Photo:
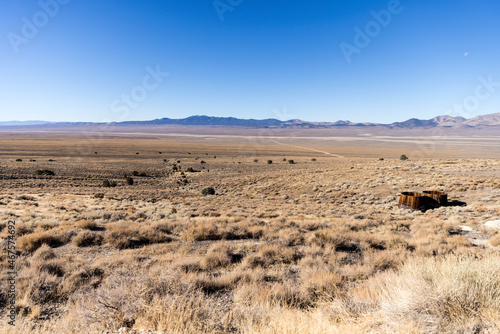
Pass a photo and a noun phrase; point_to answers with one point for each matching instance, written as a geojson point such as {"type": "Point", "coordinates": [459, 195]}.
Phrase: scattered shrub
{"type": "Point", "coordinates": [218, 255]}
{"type": "Point", "coordinates": [269, 162]}
{"type": "Point", "coordinates": [403, 157]}
{"type": "Point", "coordinates": [130, 181]}
{"type": "Point", "coordinates": [99, 195]}
{"type": "Point", "coordinates": [44, 172]}
{"type": "Point", "coordinates": [107, 184]}
{"type": "Point", "coordinates": [52, 267]}
{"type": "Point", "coordinates": [133, 235]}
{"type": "Point", "coordinates": [381, 159]}
{"type": "Point", "coordinates": [44, 253]}
{"type": "Point", "coordinates": [88, 225]}
{"type": "Point", "coordinates": [31, 242]}
{"type": "Point", "coordinates": [19, 159]}
{"type": "Point", "coordinates": [313, 159]}
{"type": "Point", "coordinates": [86, 276]}
{"type": "Point", "coordinates": [291, 162]}
{"type": "Point", "coordinates": [22, 229]}
{"type": "Point", "coordinates": [87, 238]}
{"type": "Point", "coordinates": [208, 191]}
{"type": "Point", "coordinates": [25, 198]}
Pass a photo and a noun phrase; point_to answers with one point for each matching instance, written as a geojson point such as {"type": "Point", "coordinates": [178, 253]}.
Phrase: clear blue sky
{"type": "Point", "coordinates": [265, 59]}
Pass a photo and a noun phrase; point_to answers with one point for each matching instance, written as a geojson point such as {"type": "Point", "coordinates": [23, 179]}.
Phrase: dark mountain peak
{"type": "Point", "coordinates": [415, 122]}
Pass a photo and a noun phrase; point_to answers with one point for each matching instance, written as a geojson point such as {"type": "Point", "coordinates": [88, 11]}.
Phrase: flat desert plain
{"type": "Point", "coordinates": [120, 231]}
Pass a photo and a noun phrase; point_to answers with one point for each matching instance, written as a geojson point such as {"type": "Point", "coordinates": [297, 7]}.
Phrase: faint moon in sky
{"type": "Point", "coordinates": [466, 54]}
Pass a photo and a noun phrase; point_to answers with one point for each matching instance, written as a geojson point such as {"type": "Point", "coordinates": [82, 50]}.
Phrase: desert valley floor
{"type": "Point", "coordinates": [303, 233]}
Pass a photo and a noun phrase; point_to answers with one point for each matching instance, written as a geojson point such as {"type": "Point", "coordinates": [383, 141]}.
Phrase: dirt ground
{"type": "Point", "coordinates": [301, 227]}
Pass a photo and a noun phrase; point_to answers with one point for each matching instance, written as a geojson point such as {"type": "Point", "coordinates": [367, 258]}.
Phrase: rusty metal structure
{"type": "Point", "coordinates": [423, 201]}
{"type": "Point", "coordinates": [438, 196]}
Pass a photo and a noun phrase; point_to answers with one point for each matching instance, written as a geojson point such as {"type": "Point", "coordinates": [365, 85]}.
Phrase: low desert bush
{"type": "Point", "coordinates": [164, 227]}
{"type": "Point", "coordinates": [106, 183]}
{"type": "Point", "coordinates": [211, 231]}
{"type": "Point", "coordinates": [87, 238]}
{"type": "Point", "coordinates": [44, 253]}
{"type": "Point", "coordinates": [22, 229]}
{"type": "Point", "coordinates": [199, 232]}
{"type": "Point", "coordinates": [53, 267]}
{"type": "Point", "coordinates": [88, 224]}
{"type": "Point", "coordinates": [132, 235]}
{"type": "Point", "coordinates": [269, 255]}
{"type": "Point", "coordinates": [83, 277]}
{"type": "Point", "coordinates": [208, 191]}
{"type": "Point", "coordinates": [220, 255]}
{"type": "Point", "coordinates": [39, 287]}
{"type": "Point", "coordinates": [31, 242]}
{"type": "Point", "coordinates": [47, 172]}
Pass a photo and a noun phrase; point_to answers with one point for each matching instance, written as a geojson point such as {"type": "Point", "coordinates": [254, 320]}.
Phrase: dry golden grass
{"type": "Point", "coordinates": [495, 240]}
{"type": "Point", "coordinates": [318, 246]}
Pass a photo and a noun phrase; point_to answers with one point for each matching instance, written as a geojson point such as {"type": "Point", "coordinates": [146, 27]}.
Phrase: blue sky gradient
{"type": "Point", "coordinates": [263, 59]}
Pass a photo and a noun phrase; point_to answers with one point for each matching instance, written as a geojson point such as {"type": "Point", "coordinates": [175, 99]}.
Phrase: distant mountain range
{"type": "Point", "coordinates": [491, 120]}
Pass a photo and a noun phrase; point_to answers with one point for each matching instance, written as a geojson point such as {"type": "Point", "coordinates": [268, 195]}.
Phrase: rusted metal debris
{"type": "Point", "coordinates": [423, 201]}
